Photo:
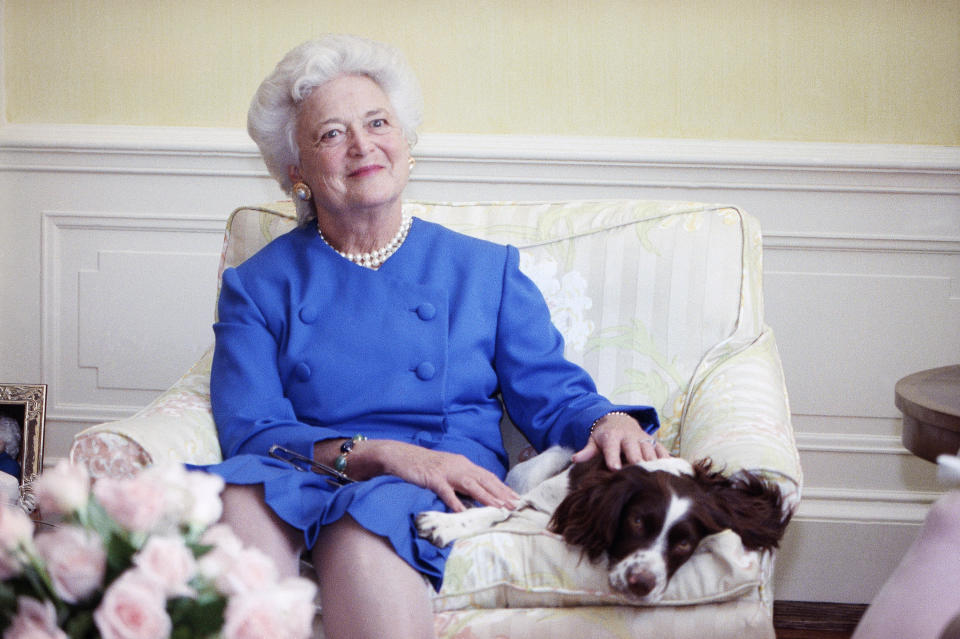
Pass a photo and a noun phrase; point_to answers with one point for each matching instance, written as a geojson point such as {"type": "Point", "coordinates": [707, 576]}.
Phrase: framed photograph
{"type": "Point", "coordinates": [22, 409]}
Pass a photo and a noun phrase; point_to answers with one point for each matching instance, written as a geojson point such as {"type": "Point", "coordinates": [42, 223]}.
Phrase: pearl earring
{"type": "Point", "coordinates": [302, 191]}
{"type": "Point", "coordinates": [413, 162]}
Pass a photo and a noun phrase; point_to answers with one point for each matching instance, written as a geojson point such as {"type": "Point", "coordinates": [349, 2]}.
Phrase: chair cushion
{"type": "Point", "coordinates": [736, 619]}
{"type": "Point", "coordinates": [518, 564]}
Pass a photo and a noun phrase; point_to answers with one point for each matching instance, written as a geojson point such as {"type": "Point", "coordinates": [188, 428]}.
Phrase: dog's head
{"type": "Point", "coordinates": [649, 518]}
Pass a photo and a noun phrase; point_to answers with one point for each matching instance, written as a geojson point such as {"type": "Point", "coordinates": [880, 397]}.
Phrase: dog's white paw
{"type": "Point", "coordinates": [443, 528]}
{"type": "Point", "coordinates": [438, 527]}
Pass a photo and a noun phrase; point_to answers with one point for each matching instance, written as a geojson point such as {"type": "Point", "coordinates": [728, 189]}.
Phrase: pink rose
{"type": "Point", "coordinates": [75, 559]}
{"type": "Point", "coordinates": [169, 562]}
{"type": "Point", "coordinates": [205, 507]}
{"type": "Point", "coordinates": [16, 528]}
{"type": "Point", "coordinates": [249, 569]}
{"type": "Point", "coordinates": [192, 497]}
{"type": "Point", "coordinates": [62, 490]}
{"type": "Point", "coordinates": [136, 503]}
{"type": "Point", "coordinates": [284, 610]}
{"type": "Point", "coordinates": [16, 531]}
{"type": "Point", "coordinates": [34, 620]}
{"type": "Point", "coordinates": [225, 549]}
{"type": "Point", "coordinates": [221, 537]}
{"type": "Point", "coordinates": [133, 607]}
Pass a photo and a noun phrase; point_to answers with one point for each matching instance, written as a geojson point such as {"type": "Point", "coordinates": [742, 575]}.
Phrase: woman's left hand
{"type": "Point", "coordinates": [618, 437]}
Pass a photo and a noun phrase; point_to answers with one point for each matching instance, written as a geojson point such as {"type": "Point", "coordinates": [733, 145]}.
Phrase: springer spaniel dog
{"type": "Point", "coordinates": [647, 518]}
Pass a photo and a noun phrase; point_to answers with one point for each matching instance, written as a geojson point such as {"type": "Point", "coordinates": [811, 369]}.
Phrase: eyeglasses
{"type": "Point", "coordinates": [306, 464]}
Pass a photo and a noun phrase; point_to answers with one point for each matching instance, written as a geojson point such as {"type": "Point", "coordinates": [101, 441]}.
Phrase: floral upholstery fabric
{"type": "Point", "coordinates": [177, 426]}
{"type": "Point", "coordinates": [662, 303]}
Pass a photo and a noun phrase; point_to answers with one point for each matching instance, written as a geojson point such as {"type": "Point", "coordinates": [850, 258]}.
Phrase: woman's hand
{"type": "Point", "coordinates": [446, 474]}
{"type": "Point", "coordinates": [618, 436]}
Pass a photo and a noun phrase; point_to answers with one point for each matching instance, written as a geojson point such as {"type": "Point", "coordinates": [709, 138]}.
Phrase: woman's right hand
{"type": "Point", "coordinates": [446, 474]}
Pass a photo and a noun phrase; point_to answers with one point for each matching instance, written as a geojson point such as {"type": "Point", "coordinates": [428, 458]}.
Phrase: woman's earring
{"type": "Point", "coordinates": [302, 191]}
{"type": "Point", "coordinates": [413, 162]}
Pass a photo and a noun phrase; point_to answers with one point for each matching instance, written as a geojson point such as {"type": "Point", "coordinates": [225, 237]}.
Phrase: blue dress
{"type": "Point", "coordinates": [310, 346]}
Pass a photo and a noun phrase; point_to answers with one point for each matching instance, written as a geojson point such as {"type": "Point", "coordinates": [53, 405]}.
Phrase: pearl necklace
{"type": "Point", "coordinates": [375, 258]}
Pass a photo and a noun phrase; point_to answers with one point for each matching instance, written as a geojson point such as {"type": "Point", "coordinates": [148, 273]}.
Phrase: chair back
{"type": "Point", "coordinates": [648, 294]}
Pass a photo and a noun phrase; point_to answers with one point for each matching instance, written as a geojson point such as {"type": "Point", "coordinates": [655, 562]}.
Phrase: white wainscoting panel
{"type": "Point", "coordinates": [108, 286]}
{"type": "Point", "coordinates": [128, 306]}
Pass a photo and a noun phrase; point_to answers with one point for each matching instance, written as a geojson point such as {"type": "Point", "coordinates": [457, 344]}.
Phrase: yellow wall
{"type": "Point", "coordinates": [831, 70]}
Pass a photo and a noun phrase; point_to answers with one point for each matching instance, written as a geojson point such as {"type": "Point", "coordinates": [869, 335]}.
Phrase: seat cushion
{"type": "Point", "coordinates": [518, 564]}
{"type": "Point", "coordinates": [738, 619]}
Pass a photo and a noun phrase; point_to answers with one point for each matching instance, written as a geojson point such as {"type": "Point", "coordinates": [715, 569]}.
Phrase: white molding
{"type": "Point", "coordinates": [855, 444]}
{"type": "Point", "coordinates": [110, 221]}
{"type": "Point", "coordinates": [861, 243]}
{"type": "Point", "coordinates": [498, 148]}
{"type": "Point", "coordinates": [125, 140]}
{"type": "Point", "coordinates": [691, 153]}
{"type": "Point", "coordinates": [534, 160]}
{"type": "Point", "coordinates": [840, 505]}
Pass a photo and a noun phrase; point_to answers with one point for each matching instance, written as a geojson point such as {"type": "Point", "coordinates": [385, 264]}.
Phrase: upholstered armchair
{"type": "Point", "coordinates": [662, 303]}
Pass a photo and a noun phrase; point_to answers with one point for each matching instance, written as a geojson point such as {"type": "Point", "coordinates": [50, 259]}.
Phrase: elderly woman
{"type": "Point", "coordinates": [10, 437]}
{"type": "Point", "coordinates": [383, 346]}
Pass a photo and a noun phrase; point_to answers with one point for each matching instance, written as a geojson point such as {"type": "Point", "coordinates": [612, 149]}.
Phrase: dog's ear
{"type": "Point", "coordinates": [745, 502]}
{"type": "Point", "coordinates": [589, 516]}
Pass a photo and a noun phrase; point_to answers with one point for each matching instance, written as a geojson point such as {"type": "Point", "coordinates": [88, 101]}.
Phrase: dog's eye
{"type": "Point", "coordinates": [637, 523]}
{"type": "Point", "coordinates": [684, 547]}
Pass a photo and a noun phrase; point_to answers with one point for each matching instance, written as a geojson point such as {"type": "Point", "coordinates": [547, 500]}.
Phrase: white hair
{"type": "Point", "coordinates": [272, 118]}
{"type": "Point", "coordinates": [10, 435]}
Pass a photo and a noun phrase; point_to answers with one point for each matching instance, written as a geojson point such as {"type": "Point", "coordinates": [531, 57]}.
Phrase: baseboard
{"type": "Point", "coordinates": [817, 615]}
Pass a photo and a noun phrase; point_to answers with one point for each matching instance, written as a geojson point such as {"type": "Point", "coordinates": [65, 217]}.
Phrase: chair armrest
{"type": "Point", "coordinates": [739, 416]}
{"type": "Point", "coordinates": [176, 427]}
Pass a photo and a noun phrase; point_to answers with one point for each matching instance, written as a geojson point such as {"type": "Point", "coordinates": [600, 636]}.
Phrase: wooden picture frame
{"type": "Point", "coordinates": [22, 412]}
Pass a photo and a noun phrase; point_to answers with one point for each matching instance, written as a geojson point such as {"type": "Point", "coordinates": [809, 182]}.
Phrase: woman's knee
{"type": "Point", "coordinates": [346, 543]}
{"type": "Point", "coordinates": [943, 518]}
{"type": "Point", "coordinates": [347, 538]}
{"type": "Point", "coordinates": [255, 523]}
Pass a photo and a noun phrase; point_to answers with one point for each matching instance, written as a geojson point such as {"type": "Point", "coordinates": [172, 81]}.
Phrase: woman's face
{"type": "Point", "coordinates": [353, 154]}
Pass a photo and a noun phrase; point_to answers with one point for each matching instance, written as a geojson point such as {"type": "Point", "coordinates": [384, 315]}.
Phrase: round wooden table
{"type": "Point", "coordinates": [930, 403]}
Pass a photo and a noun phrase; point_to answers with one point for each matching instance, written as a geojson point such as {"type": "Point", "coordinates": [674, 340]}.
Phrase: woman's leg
{"type": "Point", "coordinates": [255, 523]}
{"type": "Point", "coordinates": [921, 596]}
{"type": "Point", "coordinates": [366, 590]}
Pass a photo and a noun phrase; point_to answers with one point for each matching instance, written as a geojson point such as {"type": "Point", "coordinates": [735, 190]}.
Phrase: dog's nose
{"type": "Point", "coordinates": [641, 580]}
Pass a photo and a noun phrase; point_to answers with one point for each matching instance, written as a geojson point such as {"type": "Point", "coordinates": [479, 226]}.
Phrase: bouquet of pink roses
{"type": "Point", "coordinates": [139, 558]}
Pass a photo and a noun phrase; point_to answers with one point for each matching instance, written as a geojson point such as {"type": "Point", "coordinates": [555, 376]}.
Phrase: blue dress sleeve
{"type": "Point", "coordinates": [246, 390]}
{"type": "Point", "coordinates": [550, 399]}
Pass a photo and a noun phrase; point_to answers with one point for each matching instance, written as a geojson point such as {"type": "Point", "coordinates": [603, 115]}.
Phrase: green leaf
{"type": "Point", "coordinates": [35, 574]}
{"type": "Point", "coordinates": [120, 553]}
{"type": "Point", "coordinates": [81, 626]}
{"type": "Point", "coordinates": [95, 518]}
{"type": "Point", "coordinates": [8, 600]}
{"type": "Point", "coordinates": [198, 617]}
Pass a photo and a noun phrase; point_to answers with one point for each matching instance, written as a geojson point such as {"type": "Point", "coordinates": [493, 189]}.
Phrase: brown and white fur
{"type": "Point", "coordinates": [648, 518]}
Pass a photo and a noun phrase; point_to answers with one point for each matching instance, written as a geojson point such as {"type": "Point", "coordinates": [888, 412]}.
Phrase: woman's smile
{"type": "Point", "coordinates": [365, 171]}
{"type": "Point", "coordinates": [353, 155]}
